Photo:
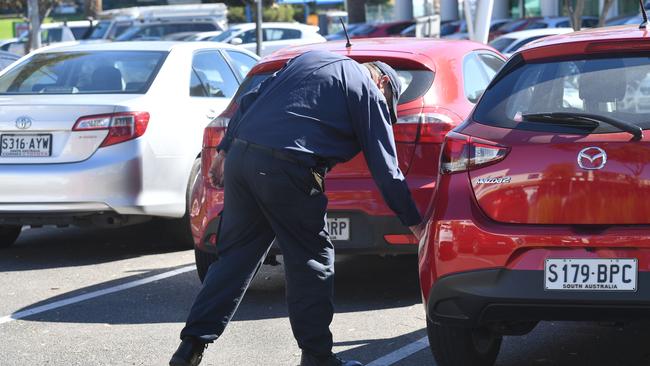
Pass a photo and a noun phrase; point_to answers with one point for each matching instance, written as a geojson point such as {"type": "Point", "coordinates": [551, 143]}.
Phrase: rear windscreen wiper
{"type": "Point", "coordinates": [586, 119]}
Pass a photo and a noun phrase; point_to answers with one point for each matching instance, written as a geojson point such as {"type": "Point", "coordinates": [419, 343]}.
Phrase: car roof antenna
{"type": "Point", "coordinates": [644, 14]}
{"type": "Point", "coordinates": [347, 45]}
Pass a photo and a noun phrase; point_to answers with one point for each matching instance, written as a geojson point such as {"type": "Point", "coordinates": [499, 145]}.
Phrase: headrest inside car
{"type": "Point", "coordinates": [603, 81]}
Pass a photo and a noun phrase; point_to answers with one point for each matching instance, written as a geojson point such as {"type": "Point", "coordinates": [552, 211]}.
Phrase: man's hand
{"type": "Point", "coordinates": [418, 230]}
{"type": "Point", "coordinates": [216, 170]}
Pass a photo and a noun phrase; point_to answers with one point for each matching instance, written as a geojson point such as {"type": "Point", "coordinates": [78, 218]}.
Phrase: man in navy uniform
{"type": "Point", "coordinates": [320, 109]}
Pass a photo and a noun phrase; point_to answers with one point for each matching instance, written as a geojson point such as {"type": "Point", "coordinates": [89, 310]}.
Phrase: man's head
{"type": "Point", "coordinates": [388, 83]}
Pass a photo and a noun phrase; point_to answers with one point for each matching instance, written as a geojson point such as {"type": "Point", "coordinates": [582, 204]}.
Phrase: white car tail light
{"type": "Point", "coordinates": [121, 126]}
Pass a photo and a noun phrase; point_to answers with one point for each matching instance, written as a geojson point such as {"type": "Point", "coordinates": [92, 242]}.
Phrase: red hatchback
{"type": "Point", "coordinates": [441, 81]}
{"type": "Point", "coordinates": [542, 210]}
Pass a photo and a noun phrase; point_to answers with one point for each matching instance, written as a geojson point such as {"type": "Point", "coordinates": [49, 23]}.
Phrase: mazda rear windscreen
{"type": "Point", "coordinates": [614, 88]}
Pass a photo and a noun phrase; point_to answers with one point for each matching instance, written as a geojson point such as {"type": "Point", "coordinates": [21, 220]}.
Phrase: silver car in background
{"type": "Point", "coordinates": [109, 134]}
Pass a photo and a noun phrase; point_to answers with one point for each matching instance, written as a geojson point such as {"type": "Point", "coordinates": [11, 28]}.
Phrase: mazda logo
{"type": "Point", "coordinates": [592, 158]}
{"type": "Point", "coordinates": [23, 122]}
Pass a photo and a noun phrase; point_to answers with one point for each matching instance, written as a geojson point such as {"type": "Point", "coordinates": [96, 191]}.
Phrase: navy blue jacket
{"type": "Point", "coordinates": [326, 104]}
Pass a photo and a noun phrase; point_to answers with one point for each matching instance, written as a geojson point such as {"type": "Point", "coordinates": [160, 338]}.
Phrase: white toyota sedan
{"type": "Point", "coordinates": [109, 134]}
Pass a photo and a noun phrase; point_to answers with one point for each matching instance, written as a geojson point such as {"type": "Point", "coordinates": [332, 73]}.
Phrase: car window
{"type": "Point", "coordinates": [524, 42]}
{"type": "Point", "coordinates": [100, 29]}
{"type": "Point", "coordinates": [241, 62]}
{"type": "Point", "coordinates": [415, 83]}
{"type": "Point", "coordinates": [278, 34]}
{"type": "Point", "coordinates": [79, 32]}
{"type": "Point", "coordinates": [536, 25]}
{"type": "Point", "coordinates": [4, 62]}
{"type": "Point", "coordinates": [250, 36]}
{"type": "Point", "coordinates": [97, 72]}
{"type": "Point", "coordinates": [226, 35]}
{"type": "Point", "coordinates": [501, 43]}
{"type": "Point", "coordinates": [52, 35]}
{"type": "Point", "coordinates": [564, 24]}
{"type": "Point", "coordinates": [617, 88]}
{"type": "Point", "coordinates": [397, 28]}
{"type": "Point", "coordinates": [475, 78]}
{"type": "Point", "coordinates": [249, 83]}
{"type": "Point", "coordinates": [491, 64]}
{"type": "Point", "coordinates": [362, 30]}
{"type": "Point", "coordinates": [590, 22]}
{"type": "Point", "coordinates": [211, 76]}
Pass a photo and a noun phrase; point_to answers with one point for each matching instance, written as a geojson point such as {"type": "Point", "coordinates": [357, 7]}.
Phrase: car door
{"type": "Point", "coordinates": [212, 85]}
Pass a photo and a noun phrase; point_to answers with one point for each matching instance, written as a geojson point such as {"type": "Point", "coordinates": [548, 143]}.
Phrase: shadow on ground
{"type": "Point", "coordinates": [46, 248]}
{"type": "Point", "coordinates": [362, 283]}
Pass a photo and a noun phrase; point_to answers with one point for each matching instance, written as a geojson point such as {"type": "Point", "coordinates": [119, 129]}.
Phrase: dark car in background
{"type": "Point", "coordinates": [373, 30]}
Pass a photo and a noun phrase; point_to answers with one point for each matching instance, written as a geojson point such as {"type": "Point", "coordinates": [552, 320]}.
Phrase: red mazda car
{"type": "Point", "coordinates": [542, 209]}
{"type": "Point", "coordinates": [441, 81]}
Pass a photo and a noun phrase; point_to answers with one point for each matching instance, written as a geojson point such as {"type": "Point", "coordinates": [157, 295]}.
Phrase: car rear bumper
{"type": "Point", "coordinates": [501, 295]}
{"type": "Point", "coordinates": [368, 235]}
{"type": "Point", "coordinates": [112, 181]}
{"type": "Point", "coordinates": [373, 227]}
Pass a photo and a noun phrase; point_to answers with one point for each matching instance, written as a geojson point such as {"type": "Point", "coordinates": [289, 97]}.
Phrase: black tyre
{"type": "Point", "coordinates": [180, 228]}
{"type": "Point", "coordinates": [8, 235]}
{"type": "Point", "coordinates": [456, 346]}
{"type": "Point", "coordinates": [203, 262]}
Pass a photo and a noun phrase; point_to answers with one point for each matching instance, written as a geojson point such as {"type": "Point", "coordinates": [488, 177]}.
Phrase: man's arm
{"type": "Point", "coordinates": [370, 118]}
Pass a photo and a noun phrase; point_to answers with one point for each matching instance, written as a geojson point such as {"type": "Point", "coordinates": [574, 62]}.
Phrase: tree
{"type": "Point", "coordinates": [575, 12]}
{"type": "Point", "coordinates": [37, 11]}
{"type": "Point", "coordinates": [607, 5]}
{"type": "Point", "coordinates": [92, 8]}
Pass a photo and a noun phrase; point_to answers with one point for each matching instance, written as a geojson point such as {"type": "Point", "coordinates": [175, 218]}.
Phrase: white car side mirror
{"type": "Point", "coordinates": [236, 41]}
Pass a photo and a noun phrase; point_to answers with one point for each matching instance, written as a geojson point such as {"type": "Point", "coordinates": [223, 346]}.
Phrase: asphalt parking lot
{"type": "Point", "coordinates": [119, 297]}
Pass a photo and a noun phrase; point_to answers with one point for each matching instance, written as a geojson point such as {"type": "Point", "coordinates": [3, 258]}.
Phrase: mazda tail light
{"type": "Point", "coordinates": [462, 153]}
{"type": "Point", "coordinates": [121, 126]}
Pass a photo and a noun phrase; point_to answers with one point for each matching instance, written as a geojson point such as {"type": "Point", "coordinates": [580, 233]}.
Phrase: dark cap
{"type": "Point", "coordinates": [395, 86]}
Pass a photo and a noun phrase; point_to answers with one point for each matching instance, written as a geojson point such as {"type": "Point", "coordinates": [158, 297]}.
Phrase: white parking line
{"type": "Point", "coordinates": [94, 294]}
{"type": "Point", "coordinates": [402, 353]}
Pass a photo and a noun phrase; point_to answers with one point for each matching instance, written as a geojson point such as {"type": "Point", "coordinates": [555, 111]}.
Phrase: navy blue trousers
{"type": "Point", "coordinates": [267, 198]}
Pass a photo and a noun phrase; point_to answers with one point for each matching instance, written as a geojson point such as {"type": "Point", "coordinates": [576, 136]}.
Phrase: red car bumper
{"type": "Point", "coordinates": [373, 228]}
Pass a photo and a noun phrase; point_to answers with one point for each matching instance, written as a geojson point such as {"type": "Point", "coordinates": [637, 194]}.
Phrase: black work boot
{"type": "Point", "coordinates": [308, 359]}
{"type": "Point", "coordinates": [189, 353]}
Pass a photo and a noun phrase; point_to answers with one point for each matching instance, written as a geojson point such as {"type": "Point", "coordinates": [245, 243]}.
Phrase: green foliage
{"type": "Point", "coordinates": [279, 13]}
{"type": "Point", "coordinates": [276, 13]}
{"type": "Point", "coordinates": [236, 14]}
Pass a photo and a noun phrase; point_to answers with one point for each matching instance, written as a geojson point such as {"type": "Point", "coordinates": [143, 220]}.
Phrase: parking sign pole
{"type": "Point", "coordinates": [258, 27]}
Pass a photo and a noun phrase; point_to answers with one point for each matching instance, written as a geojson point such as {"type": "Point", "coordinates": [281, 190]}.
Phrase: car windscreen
{"type": "Point", "coordinates": [100, 29]}
{"type": "Point", "coordinates": [362, 30]}
{"type": "Point", "coordinates": [225, 36]}
{"type": "Point", "coordinates": [501, 43]}
{"type": "Point", "coordinates": [612, 87]}
{"type": "Point", "coordinates": [415, 83]}
{"type": "Point", "coordinates": [88, 72]}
